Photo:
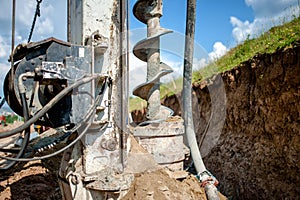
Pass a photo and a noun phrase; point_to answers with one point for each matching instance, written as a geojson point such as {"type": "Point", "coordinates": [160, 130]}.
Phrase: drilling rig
{"type": "Point", "coordinates": [79, 88]}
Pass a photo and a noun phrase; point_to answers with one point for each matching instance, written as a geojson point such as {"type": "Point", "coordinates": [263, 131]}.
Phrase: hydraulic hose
{"type": "Point", "coordinates": [187, 82]}
{"type": "Point", "coordinates": [83, 123]}
{"type": "Point", "coordinates": [26, 135]}
{"type": "Point", "coordinates": [48, 106]}
{"type": "Point", "coordinates": [211, 190]}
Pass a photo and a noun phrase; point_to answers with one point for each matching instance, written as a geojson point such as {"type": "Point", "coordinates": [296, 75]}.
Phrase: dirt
{"type": "Point", "coordinates": [257, 154]}
{"type": "Point", "coordinates": [38, 180]}
{"type": "Point", "coordinates": [159, 185]}
{"type": "Point", "coordinates": [29, 180]}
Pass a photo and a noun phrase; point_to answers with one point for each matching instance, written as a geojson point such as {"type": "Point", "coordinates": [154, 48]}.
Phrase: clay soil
{"type": "Point", "coordinates": [159, 185]}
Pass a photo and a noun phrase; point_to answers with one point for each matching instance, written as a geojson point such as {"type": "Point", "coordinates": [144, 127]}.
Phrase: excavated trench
{"type": "Point", "coordinates": [252, 132]}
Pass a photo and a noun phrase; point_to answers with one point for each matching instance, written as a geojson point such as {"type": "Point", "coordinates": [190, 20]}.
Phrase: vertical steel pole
{"type": "Point", "coordinates": [11, 81]}
{"type": "Point", "coordinates": [12, 41]}
{"type": "Point", "coordinates": [68, 21]}
{"type": "Point", "coordinates": [124, 25]}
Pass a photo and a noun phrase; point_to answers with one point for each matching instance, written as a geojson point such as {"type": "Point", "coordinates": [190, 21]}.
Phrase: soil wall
{"type": "Point", "coordinates": [250, 118]}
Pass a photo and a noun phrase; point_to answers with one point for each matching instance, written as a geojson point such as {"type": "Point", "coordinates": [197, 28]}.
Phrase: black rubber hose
{"type": "Point", "coordinates": [26, 136]}
{"type": "Point", "coordinates": [12, 150]}
{"type": "Point", "coordinates": [86, 122]}
{"type": "Point", "coordinates": [48, 106]}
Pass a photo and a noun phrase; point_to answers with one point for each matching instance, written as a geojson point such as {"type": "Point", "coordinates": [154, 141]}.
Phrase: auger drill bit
{"type": "Point", "coordinates": [148, 50]}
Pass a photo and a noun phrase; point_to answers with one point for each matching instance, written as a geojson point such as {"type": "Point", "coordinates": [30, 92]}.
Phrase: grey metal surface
{"type": "Point", "coordinates": [144, 89]}
{"type": "Point", "coordinates": [98, 161]}
{"type": "Point", "coordinates": [164, 140]}
{"type": "Point", "coordinates": [141, 49]}
{"type": "Point", "coordinates": [108, 180]}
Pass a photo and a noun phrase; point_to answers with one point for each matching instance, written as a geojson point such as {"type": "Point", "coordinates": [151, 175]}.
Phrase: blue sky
{"type": "Point", "coordinates": [220, 24]}
{"type": "Point", "coordinates": [212, 23]}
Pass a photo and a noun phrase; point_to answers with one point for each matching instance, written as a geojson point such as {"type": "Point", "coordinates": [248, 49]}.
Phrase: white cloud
{"type": "Point", "coordinates": [45, 23]}
{"type": "Point", "coordinates": [45, 27]}
{"type": "Point", "coordinates": [135, 62]}
{"type": "Point", "coordinates": [241, 29]}
{"type": "Point", "coordinates": [219, 49]}
{"type": "Point", "coordinates": [4, 48]}
{"type": "Point", "coordinates": [4, 68]}
{"type": "Point", "coordinates": [269, 8]}
{"type": "Point", "coordinates": [200, 63]}
{"type": "Point", "coordinates": [24, 12]}
{"type": "Point", "coordinates": [268, 13]}
{"type": "Point", "coordinates": [137, 76]}
{"type": "Point", "coordinates": [52, 20]}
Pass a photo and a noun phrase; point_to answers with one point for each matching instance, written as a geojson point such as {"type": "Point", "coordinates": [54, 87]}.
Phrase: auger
{"type": "Point", "coordinates": [149, 12]}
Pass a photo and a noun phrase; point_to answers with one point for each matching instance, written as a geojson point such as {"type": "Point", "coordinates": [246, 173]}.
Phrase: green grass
{"type": "Point", "coordinates": [173, 87]}
{"type": "Point", "coordinates": [136, 103]}
{"type": "Point", "coordinates": [279, 37]}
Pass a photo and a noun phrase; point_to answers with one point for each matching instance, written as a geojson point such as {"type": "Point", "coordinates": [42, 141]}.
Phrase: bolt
{"type": "Point", "coordinates": [111, 145]}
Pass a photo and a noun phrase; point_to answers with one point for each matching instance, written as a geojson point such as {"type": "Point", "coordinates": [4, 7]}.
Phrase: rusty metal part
{"type": "Point", "coordinates": [124, 60]}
